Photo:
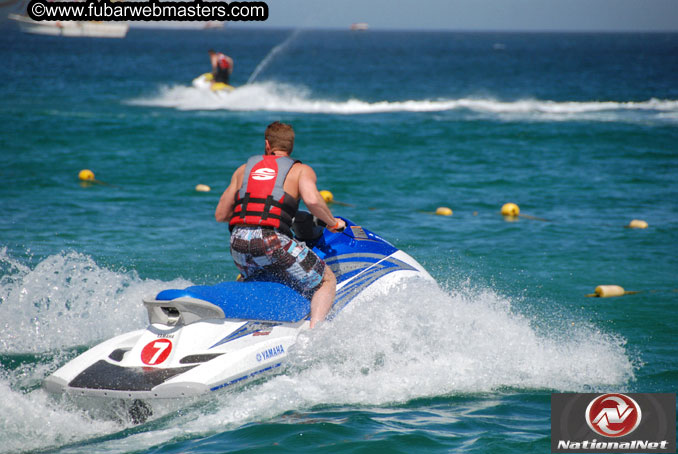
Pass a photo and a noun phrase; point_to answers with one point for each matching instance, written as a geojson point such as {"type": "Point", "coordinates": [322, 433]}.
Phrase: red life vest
{"type": "Point", "coordinates": [262, 201]}
{"type": "Point", "coordinates": [222, 61]}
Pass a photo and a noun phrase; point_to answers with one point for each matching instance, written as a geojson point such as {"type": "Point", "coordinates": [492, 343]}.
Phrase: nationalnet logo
{"type": "Point", "coordinates": [613, 415]}
{"type": "Point", "coordinates": [613, 423]}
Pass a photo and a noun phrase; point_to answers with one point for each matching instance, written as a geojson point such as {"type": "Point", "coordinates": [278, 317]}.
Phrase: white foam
{"type": "Point", "coordinates": [68, 300]}
{"type": "Point", "coordinates": [272, 96]}
{"type": "Point", "coordinates": [417, 341]}
{"type": "Point", "coordinates": [469, 341]}
{"type": "Point", "coordinates": [272, 54]}
{"type": "Point", "coordinates": [30, 421]}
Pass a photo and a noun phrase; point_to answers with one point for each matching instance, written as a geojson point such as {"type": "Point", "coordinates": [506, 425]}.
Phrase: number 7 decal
{"type": "Point", "coordinates": [156, 352]}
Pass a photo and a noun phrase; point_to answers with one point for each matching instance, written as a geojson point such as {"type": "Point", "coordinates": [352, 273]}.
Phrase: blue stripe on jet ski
{"type": "Point", "coordinates": [347, 266]}
{"type": "Point", "coordinates": [362, 278]}
{"type": "Point", "coordinates": [362, 282]}
{"type": "Point", "coordinates": [245, 377]}
{"type": "Point", "coordinates": [246, 329]}
{"type": "Point", "coordinates": [393, 263]}
{"type": "Point", "coordinates": [387, 266]}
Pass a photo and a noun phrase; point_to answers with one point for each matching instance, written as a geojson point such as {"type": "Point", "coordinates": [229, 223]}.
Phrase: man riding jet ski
{"type": "Point", "coordinates": [219, 79]}
{"type": "Point", "coordinates": [207, 337]}
{"type": "Point", "coordinates": [259, 206]}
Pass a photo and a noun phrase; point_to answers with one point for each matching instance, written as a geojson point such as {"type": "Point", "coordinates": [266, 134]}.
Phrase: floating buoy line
{"type": "Point", "coordinates": [328, 197]}
{"type": "Point", "coordinates": [510, 211]}
{"type": "Point", "coordinates": [86, 177]}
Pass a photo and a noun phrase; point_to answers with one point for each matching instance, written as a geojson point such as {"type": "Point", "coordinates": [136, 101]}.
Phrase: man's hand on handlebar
{"type": "Point", "coordinates": [338, 227]}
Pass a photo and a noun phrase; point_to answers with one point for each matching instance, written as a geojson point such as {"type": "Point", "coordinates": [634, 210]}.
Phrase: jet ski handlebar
{"type": "Point", "coordinates": [307, 227]}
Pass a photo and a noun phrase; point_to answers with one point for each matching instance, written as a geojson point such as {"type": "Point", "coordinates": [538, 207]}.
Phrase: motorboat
{"type": "Point", "coordinates": [89, 29]}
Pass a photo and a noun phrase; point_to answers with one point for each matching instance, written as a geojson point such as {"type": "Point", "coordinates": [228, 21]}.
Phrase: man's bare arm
{"type": "Point", "coordinates": [312, 198]}
{"type": "Point", "coordinates": [224, 210]}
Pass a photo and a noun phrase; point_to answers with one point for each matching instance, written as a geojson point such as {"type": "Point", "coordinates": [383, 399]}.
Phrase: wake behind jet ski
{"type": "Point", "coordinates": [205, 338]}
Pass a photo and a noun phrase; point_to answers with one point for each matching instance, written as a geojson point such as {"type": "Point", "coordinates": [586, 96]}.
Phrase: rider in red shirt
{"type": "Point", "coordinates": [222, 66]}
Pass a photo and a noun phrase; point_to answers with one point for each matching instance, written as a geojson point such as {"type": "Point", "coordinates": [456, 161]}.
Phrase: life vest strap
{"type": "Point", "coordinates": [259, 214]}
{"type": "Point", "coordinates": [268, 202]}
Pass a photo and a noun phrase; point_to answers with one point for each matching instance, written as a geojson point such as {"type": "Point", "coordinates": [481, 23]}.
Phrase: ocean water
{"type": "Point", "coordinates": [579, 130]}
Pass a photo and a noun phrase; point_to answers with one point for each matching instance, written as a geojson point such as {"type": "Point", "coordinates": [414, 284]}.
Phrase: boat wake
{"type": "Point", "coordinates": [377, 352]}
{"type": "Point", "coordinates": [272, 96]}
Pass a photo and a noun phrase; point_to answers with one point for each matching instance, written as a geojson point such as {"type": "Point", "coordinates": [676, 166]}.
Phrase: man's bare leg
{"type": "Point", "coordinates": [322, 300]}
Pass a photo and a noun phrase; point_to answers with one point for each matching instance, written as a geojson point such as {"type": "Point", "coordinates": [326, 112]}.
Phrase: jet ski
{"type": "Point", "coordinates": [205, 338]}
{"type": "Point", "coordinates": [206, 82]}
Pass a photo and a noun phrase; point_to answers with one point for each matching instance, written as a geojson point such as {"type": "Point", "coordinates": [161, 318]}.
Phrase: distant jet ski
{"type": "Point", "coordinates": [204, 338]}
{"type": "Point", "coordinates": [206, 82]}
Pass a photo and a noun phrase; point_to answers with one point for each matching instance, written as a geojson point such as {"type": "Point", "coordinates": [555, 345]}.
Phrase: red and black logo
{"type": "Point", "coordinates": [613, 415]}
{"type": "Point", "coordinates": [613, 423]}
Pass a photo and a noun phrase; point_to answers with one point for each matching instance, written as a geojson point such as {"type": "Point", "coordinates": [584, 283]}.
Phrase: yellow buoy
{"type": "Point", "coordinates": [443, 211]}
{"type": "Point", "coordinates": [637, 224]}
{"type": "Point", "coordinates": [510, 209]}
{"type": "Point", "coordinates": [203, 188]}
{"type": "Point", "coordinates": [607, 291]}
{"type": "Point", "coordinates": [86, 175]}
{"type": "Point", "coordinates": [327, 196]}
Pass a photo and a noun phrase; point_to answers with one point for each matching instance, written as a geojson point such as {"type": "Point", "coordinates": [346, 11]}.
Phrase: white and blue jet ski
{"type": "Point", "coordinates": [204, 338]}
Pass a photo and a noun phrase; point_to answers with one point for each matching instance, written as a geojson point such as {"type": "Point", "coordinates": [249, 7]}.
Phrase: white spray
{"type": "Point", "coordinates": [272, 54]}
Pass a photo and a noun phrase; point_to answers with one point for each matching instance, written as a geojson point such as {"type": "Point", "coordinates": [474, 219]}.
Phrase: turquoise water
{"type": "Point", "coordinates": [577, 129]}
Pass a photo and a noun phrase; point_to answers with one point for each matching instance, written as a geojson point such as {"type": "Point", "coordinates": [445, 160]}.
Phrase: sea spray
{"type": "Point", "coordinates": [63, 302]}
{"type": "Point", "coordinates": [68, 300]}
{"type": "Point", "coordinates": [416, 341]}
{"type": "Point", "coordinates": [281, 97]}
{"type": "Point", "coordinates": [272, 54]}
{"type": "Point", "coordinates": [419, 341]}
{"type": "Point", "coordinates": [33, 421]}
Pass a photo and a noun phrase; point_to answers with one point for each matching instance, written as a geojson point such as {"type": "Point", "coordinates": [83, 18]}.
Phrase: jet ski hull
{"type": "Point", "coordinates": [134, 366]}
{"type": "Point", "coordinates": [205, 82]}
{"type": "Point", "coordinates": [205, 338]}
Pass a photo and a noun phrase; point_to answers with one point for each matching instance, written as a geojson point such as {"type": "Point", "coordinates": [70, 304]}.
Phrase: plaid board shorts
{"type": "Point", "coordinates": [262, 248]}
